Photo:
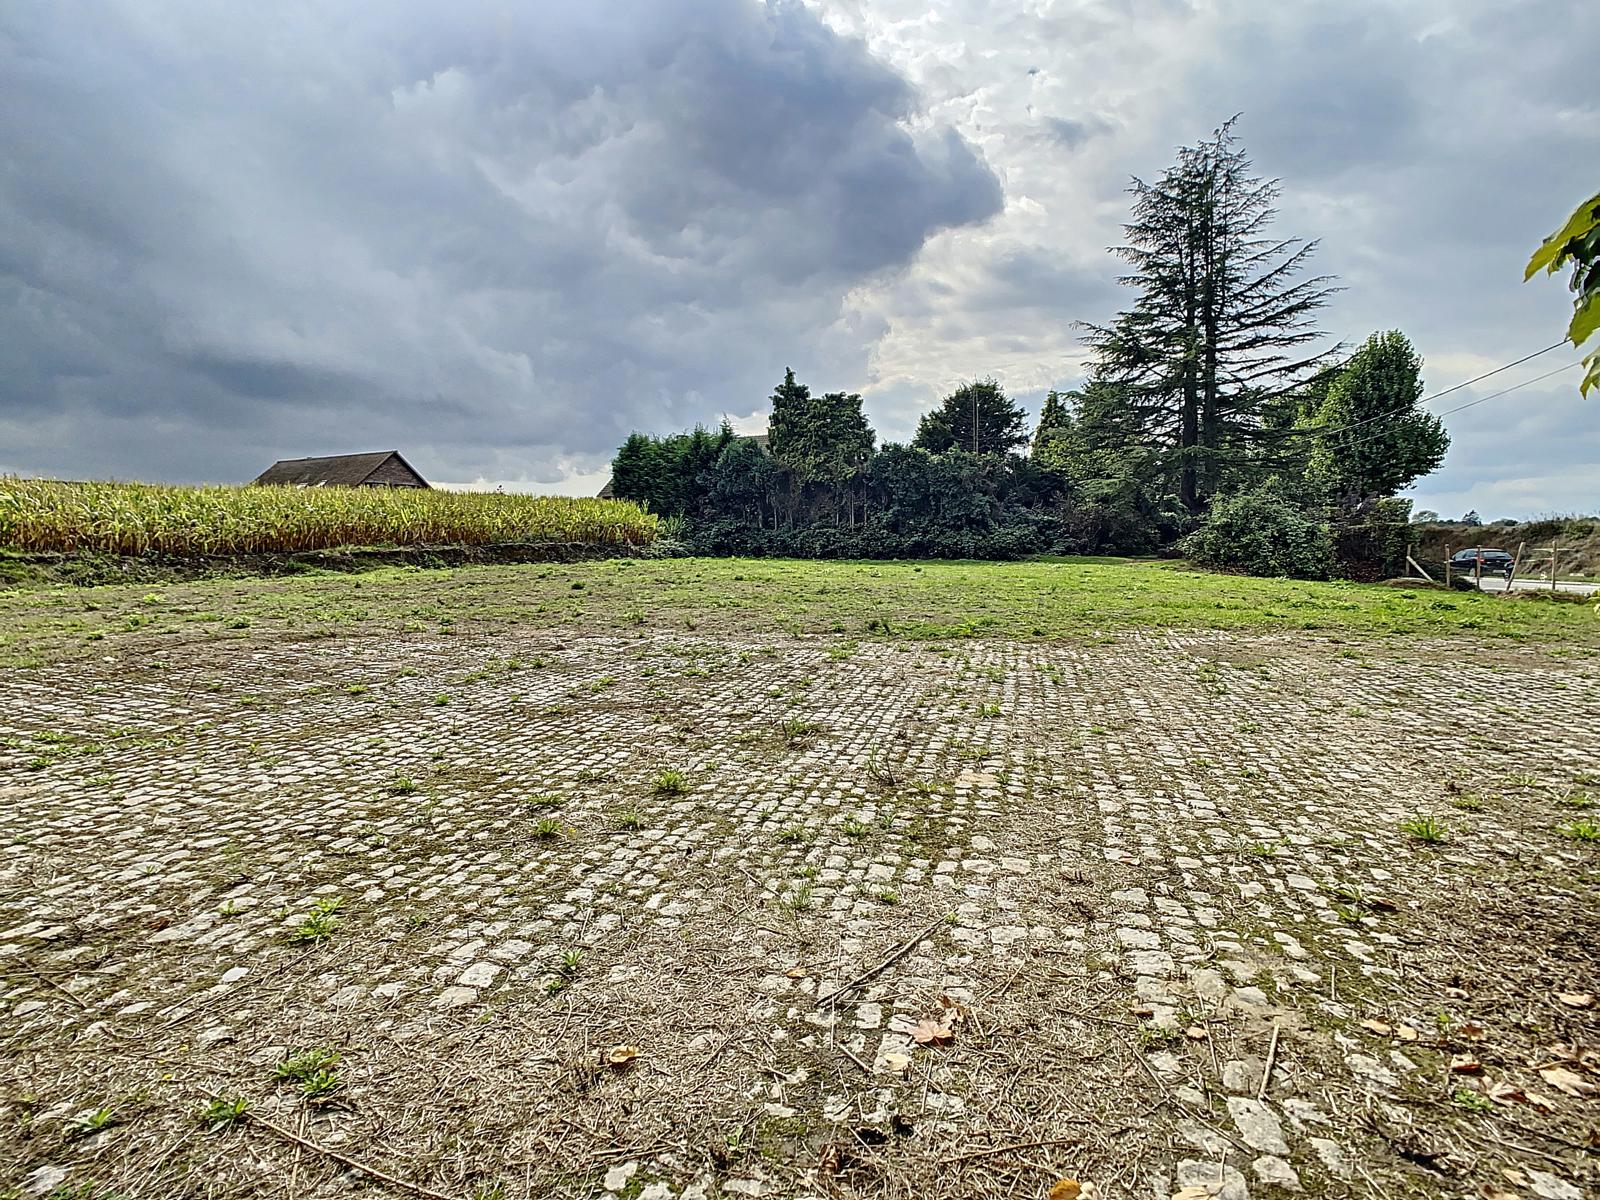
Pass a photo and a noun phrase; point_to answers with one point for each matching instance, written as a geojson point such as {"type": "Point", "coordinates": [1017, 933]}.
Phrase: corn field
{"type": "Point", "coordinates": [134, 518]}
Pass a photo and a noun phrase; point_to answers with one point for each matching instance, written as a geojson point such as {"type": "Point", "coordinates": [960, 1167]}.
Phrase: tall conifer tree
{"type": "Point", "coordinates": [1223, 320]}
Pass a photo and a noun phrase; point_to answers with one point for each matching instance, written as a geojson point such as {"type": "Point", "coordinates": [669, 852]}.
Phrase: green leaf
{"type": "Point", "coordinates": [1592, 379]}
{"type": "Point", "coordinates": [1549, 256]}
{"type": "Point", "coordinates": [1585, 320]}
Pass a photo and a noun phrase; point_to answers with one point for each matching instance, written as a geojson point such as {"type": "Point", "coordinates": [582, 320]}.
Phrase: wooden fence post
{"type": "Point", "coordinates": [1516, 565]}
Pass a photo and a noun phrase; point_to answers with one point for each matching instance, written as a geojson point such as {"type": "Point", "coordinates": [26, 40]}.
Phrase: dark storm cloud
{"type": "Point", "coordinates": [497, 236]}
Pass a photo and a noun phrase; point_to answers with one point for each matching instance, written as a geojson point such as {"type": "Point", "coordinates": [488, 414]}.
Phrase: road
{"type": "Point", "coordinates": [1142, 912]}
{"type": "Point", "coordinates": [1496, 584]}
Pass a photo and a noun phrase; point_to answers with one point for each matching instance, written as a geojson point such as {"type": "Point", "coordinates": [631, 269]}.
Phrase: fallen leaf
{"type": "Point", "coordinates": [1472, 1031]}
{"type": "Point", "coordinates": [1196, 1033]}
{"type": "Point", "coordinates": [1380, 904]}
{"type": "Point", "coordinates": [1576, 999]}
{"type": "Point", "coordinates": [1065, 1189]}
{"type": "Point", "coordinates": [1569, 1082]}
{"type": "Point", "coordinates": [796, 972]}
{"type": "Point", "coordinates": [954, 1011]}
{"type": "Point", "coordinates": [1381, 1028]}
{"type": "Point", "coordinates": [1194, 1193]}
{"type": "Point", "coordinates": [621, 1056]}
{"type": "Point", "coordinates": [892, 1063]}
{"type": "Point", "coordinates": [1465, 1064]}
{"type": "Point", "coordinates": [1508, 1092]}
{"type": "Point", "coordinates": [1406, 1033]}
{"type": "Point", "coordinates": [929, 1032]}
{"type": "Point", "coordinates": [1143, 1010]}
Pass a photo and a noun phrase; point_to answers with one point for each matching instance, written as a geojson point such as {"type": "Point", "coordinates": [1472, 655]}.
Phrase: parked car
{"type": "Point", "coordinates": [1493, 562]}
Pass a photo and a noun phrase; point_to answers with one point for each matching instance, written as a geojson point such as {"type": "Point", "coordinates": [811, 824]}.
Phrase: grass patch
{"type": "Point", "coordinates": [1425, 829]}
{"type": "Point", "coordinates": [1051, 599]}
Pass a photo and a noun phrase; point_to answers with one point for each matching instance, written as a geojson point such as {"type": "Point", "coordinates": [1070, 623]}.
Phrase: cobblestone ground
{"type": "Point", "coordinates": [653, 918]}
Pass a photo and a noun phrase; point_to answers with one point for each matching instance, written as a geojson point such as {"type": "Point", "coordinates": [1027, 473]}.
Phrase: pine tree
{"type": "Point", "coordinates": [820, 440]}
{"type": "Point", "coordinates": [1053, 419]}
{"type": "Point", "coordinates": [977, 417]}
{"type": "Point", "coordinates": [1222, 320]}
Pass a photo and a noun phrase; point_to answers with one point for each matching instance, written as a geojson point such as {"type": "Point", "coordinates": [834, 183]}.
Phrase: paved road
{"type": "Point", "coordinates": [1165, 912]}
{"type": "Point", "coordinates": [1497, 584]}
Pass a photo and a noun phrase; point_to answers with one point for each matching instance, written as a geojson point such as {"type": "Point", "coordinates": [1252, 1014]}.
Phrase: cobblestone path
{"type": "Point", "coordinates": [644, 917]}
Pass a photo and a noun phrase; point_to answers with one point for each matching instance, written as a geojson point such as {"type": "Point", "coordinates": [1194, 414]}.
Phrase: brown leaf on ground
{"type": "Point", "coordinates": [1569, 1082]}
{"type": "Point", "coordinates": [1576, 999]}
{"type": "Point", "coordinates": [829, 1160]}
{"type": "Point", "coordinates": [621, 1056]}
{"type": "Point", "coordinates": [1066, 1189]}
{"type": "Point", "coordinates": [1465, 1064]}
{"type": "Point", "coordinates": [1381, 1028]}
{"type": "Point", "coordinates": [1193, 1193]}
{"type": "Point", "coordinates": [1472, 1031]}
{"type": "Point", "coordinates": [929, 1032]}
{"type": "Point", "coordinates": [1507, 1093]}
{"type": "Point", "coordinates": [1196, 1033]}
{"type": "Point", "coordinates": [1406, 1033]}
{"type": "Point", "coordinates": [796, 972]}
{"type": "Point", "coordinates": [891, 1062]}
{"type": "Point", "coordinates": [954, 1012]}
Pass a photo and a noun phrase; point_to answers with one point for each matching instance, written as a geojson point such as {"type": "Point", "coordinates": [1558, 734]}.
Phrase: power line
{"type": "Point", "coordinates": [1441, 394]}
{"type": "Point", "coordinates": [1480, 400]}
{"type": "Point", "coordinates": [1317, 431]}
{"type": "Point", "coordinates": [1496, 371]}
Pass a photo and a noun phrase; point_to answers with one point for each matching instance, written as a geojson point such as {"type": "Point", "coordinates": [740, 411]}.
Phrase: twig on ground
{"type": "Point", "coordinates": [1272, 1057]}
{"type": "Point", "coordinates": [355, 1164]}
{"type": "Point", "coordinates": [991, 1151]}
{"type": "Point", "coordinates": [59, 987]}
{"type": "Point", "coordinates": [904, 949]}
{"type": "Point", "coordinates": [850, 1054]}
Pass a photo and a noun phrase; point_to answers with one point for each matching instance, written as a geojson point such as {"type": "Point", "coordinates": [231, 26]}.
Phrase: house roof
{"type": "Point", "coordinates": [333, 470]}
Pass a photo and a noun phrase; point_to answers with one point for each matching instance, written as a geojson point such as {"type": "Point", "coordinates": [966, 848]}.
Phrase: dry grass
{"type": "Point", "coordinates": [135, 518]}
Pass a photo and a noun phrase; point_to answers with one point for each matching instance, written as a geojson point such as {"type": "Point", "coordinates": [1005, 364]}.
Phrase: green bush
{"type": "Point", "coordinates": [1017, 538]}
{"type": "Point", "coordinates": [1262, 533]}
{"type": "Point", "coordinates": [1371, 542]}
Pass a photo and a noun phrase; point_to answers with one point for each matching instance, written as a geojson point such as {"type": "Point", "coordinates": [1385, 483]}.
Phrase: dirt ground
{"type": "Point", "coordinates": [650, 915]}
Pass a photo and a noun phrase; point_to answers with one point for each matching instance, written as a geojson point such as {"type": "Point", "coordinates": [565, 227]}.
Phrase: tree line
{"type": "Point", "coordinates": [1214, 417]}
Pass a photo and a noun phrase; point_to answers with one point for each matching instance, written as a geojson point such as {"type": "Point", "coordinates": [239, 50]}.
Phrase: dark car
{"type": "Point", "coordinates": [1482, 561]}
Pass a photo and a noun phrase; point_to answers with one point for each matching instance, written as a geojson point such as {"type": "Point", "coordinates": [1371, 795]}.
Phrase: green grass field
{"type": "Point", "coordinates": [1057, 599]}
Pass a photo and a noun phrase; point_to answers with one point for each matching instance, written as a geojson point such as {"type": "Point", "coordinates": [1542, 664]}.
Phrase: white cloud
{"type": "Point", "coordinates": [502, 237]}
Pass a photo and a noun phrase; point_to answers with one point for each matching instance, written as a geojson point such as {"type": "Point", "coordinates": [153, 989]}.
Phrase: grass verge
{"type": "Point", "coordinates": [928, 601]}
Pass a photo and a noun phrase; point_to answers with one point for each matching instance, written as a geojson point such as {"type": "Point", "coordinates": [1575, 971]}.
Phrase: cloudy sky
{"type": "Point", "coordinates": [500, 235]}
